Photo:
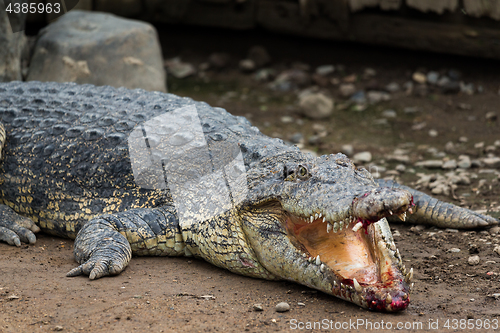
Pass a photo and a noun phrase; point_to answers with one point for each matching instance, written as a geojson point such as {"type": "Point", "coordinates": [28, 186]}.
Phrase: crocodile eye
{"type": "Point", "coordinates": [302, 172]}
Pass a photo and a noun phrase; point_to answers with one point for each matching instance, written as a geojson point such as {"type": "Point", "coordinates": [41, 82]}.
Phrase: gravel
{"type": "Point", "coordinates": [282, 307]}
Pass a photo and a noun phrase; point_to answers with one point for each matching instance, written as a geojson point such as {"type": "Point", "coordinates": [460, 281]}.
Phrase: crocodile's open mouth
{"type": "Point", "coordinates": [363, 264]}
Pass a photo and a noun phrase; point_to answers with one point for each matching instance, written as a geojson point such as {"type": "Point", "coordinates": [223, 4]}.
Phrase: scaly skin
{"type": "Point", "coordinates": [139, 173]}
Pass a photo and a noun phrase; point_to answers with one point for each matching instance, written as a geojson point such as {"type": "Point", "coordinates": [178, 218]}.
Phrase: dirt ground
{"type": "Point", "coordinates": [189, 295]}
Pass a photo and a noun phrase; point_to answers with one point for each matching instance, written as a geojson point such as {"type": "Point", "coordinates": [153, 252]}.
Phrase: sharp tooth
{"type": "Point", "coordinates": [318, 261]}
{"type": "Point", "coordinates": [356, 285]}
{"type": "Point", "coordinates": [411, 287]}
{"type": "Point", "coordinates": [357, 226]}
{"type": "Point", "coordinates": [316, 216]}
{"type": "Point", "coordinates": [322, 268]}
{"type": "Point", "coordinates": [335, 227]}
{"type": "Point", "coordinates": [310, 259]}
{"type": "Point", "coordinates": [390, 212]}
{"type": "Point", "coordinates": [410, 210]}
{"type": "Point", "coordinates": [311, 218]}
{"type": "Point", "coordinates": [388, 299]}
{"type": "Point", "coordinates": [341, 225]}
{"type": "Point", "coordinates": [409, 276]}
{"type": "Point", "coordinates": [335, 283]}
{"type": "Point", "coordinates": [328, 227]}
{"type": "Point", "coordinates": [320, 214]}
{"type": "Point", "coordinates": [324, 219]}
{"type": "Point", "coordinates": [402, 217]}
{"type": "Point", "coordinates": [304, 255]}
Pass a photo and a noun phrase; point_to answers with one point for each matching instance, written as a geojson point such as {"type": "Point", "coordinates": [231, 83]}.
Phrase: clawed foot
{"type": "Point", "coordinates": [99, 266]}
{"type": "Point", "coordinates": [16, 229]}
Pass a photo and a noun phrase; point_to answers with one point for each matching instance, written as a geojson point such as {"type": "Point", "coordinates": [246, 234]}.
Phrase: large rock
{"type": "Point", "coordinates": [11, 45]}
{"type": "Point", "coordinates": [100, 49]}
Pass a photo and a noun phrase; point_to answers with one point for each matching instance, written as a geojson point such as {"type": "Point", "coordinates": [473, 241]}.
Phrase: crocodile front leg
{"type": "Point", "coordinates": [429, 210]}
{"type": "Point", "coordinates": [105, 245]}
{"type": "Point", "coordinates": [15, 228]}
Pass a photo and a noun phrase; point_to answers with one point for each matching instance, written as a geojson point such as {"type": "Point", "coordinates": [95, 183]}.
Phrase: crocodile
{"type": "Point", "coordinates": [130, 172]}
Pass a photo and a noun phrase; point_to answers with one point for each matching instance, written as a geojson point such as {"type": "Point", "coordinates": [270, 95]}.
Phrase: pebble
{"type": "Point", "coordinates": [400, 167]}
{"type": "Point", "coordinates": [347, 149]}
{"type": "Point", "coordinates": [291, 79]}
{"type": "Point", "coordinates": [464, 162]}
{"type": "Point", "coordinates": [495, 230]}
{"type": "Point", "coordinates": [473, 260]}
{"type": "Point", "coordinates": [492, 162]}
{"type": "Point", "coordinates": [433, 133]}
{"type": "Point", "coordinates": [491, 116]}
{"type": "Point", "coordinates": [316, 105]}
{"type": "Point", "coordinates": [419, 126]}
{"type": "Point", "coordinates": [359, 97]}
{"type": "Point", "coordinates": [287, 119]}
{"type": "Point", "coordinates": [463, 139]}
{"type": "Point", "coordinates": [264, 74]}
{"type": "Point", "coordinates": [247, 65]}
{"type": "Point", "coordinates": [364, 156]}
{"type": "Point", "coordinates": [454, 250]}
{"type": "Point", "coordinates": [258, 307]}
{"type": "Point", "coordinates": [325, 70]}
{"type": "Point", "coordinates": [378, 96]}
{"type": "Point", "coordinates": [58, 328]}
{"type": "Point", "coordinates": [430, 164]}
{"type": "Point", "coordinates": [451, 164]}
{"type": "Point", "coordinates": [347, 89]}
{"type": "Point", "coordinates": [389, 114]}
{"type": "Point", "coordinates": [282, 307]}
{"type": "Point", "coordinates": [179, 69]}
{"type": "Point", "coordinates": [497, 143]}
{"type": "Point", "coordinates": [496, 249]}
{"type": "Point", "coordinates": [432, 77]}
{"type": "Point", "coordinates": [392, 87]}
{"type": "Point", "coordinates": [467, 88]}
{"type": "Point", "coordinates": [369, 72]}
{"type": "Point", "coordinates": [301, 304]}
{"type": "Point", "coordinates": [419, 77]}
{"type": "Point", "coordinates": [449, 147]}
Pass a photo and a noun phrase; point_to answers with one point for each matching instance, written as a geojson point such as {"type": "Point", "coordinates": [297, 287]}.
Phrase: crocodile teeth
{"type": "Point", "coordinates": [410, 210]}
{"type": "Point", "coordinates": [320, 214]}
{"type": "Point", "coordinates": [310, 259]}
{"type": "Point", "coordinates": [341, 225]}
{"type": "Point", "coordinates": [335, 227]}
{"type": "Point", "coordinates": [304, 255]}
{"type": "Point", "coordinates": [324, 219]}
{"type": "Point", "coordinates": [402, 217]}
{"type": "Point", "coordinates": [322, 268]}
{"type": "Point", "coordinates": [357, 226]}
{"type": "Point", "coordinates": [328, 227]}
{"type": "Point", "coordinates": [318, 261]}
{"type": "Point", "coordinates": [311, 218]}
{"type": "Point", "coordinates": [356, 285]}
{"type": "Point", "coordinates": [388, 299]}
{"type": "Point", "coordinates": [409, 276]}
{"type": "Point", "coordinates": [390, 212]}
{"type": "Point", "coordinates": [316, 216]}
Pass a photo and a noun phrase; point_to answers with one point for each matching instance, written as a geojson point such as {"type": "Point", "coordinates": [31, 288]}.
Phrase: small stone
{"type": "Point", "coordinates": [347, 89]}
{"type": "Point", "coordinates": [58, 328]}
{"type": "Point", "coordinates": [432, 77]}
{"type": "Point", "coordinates": [430, 164]}
{"type": "Point", "coordinates": [493, 231]}
{"type": "Point", "coordinates": [473, 260]}
{"type": "Point", "coordinates": [265, 75]}
{"type": "Point", "coordinates": [433, 133]}
{"type": "Point", "coordinates": [369, 72]}
{"type": "Point", "coordinates": [454, 250]}
{"type": "Point", "coordinates": [419, 126]}
{"type": "Point", "coordinates": [496, 249]}
{"type": "Point", "coordinates": [378, 96]}
{"type": "Point", "coordinates": [491, 116]}
{"type": "Point", "coordinates": [419, 77]}
{"type": "Point", "coordinates": [449, 147]}
{"type": "Point", "coordinates": [464, 162]}
{"type": "Point", "coordinates": [492, 162]}
{"type": "Point", "coordinates": [362, 157]}
{"type": "Point", "coordinates": [463, 139]}
{"type": "Point", "coordinates": [247, 65]}
{"type": "Point", "coordinates": [490, 149]}
{"type": "Point", "coordinates": [359, 97]}
{"type": "Point", "coordinates": [179, 69]}
{"type": "Point", "coordinates": [287, 119]}
{"type": "Point", "coordinates": [282, 307]}
{"type": "Point", "coordinates": [389, 114]}
{"type": "Point", "coordinates": [467, 88]}
{"type": "Point", "coordinates": [392, 87]}
{"type": "Point", "coordinates": [497, 143]}
{"type": "Point", "coordinates": [400, 167]}
{"type": "Point", "coordinates": [258, 307]}
{"type": "Point", "coordinates": [451, 164]}
{"type": "Point", "coordinates": [325, 70]}
{"type": "Point", "coordinates": [301, 304]}
{"type": "Point", "coordinates": [347, 149]}
{"type": "Point", "coordinates": [316, 105]}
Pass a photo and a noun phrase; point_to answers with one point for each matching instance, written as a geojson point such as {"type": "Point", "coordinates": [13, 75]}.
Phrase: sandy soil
{"type": "Point", "coordinates": [183, 295]}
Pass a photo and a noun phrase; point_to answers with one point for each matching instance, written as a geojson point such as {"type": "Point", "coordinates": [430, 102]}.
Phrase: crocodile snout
{"type": "Point", "coordinates": [382, 202]}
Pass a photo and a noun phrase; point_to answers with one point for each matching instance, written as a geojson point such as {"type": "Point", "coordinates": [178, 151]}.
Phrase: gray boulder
{"type": "Point", "coordinates": [11, 45]}
{"type": "Point", "coordinates": [100, 49]}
